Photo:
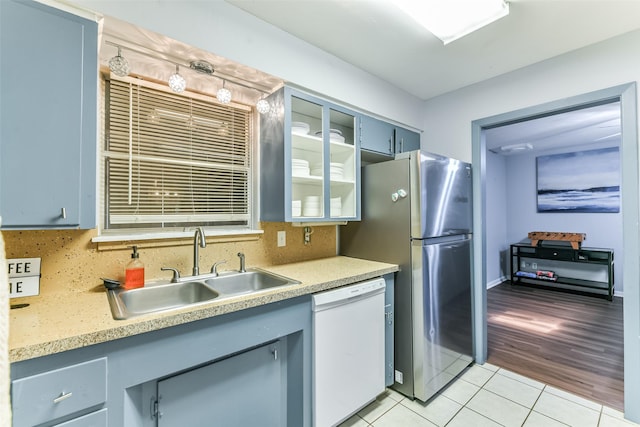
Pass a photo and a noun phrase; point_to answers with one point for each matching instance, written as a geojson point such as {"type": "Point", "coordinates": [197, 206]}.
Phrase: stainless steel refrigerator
{"type": "Point", "coordinates": [417, 213]}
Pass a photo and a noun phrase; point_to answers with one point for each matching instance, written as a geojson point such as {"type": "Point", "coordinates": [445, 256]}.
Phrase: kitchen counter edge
{"type": "Point", "coordinates": [47, 327]}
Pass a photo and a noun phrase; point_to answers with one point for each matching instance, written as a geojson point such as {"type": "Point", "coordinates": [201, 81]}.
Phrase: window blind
{"type": "Point", "coordinates": [174, 159]}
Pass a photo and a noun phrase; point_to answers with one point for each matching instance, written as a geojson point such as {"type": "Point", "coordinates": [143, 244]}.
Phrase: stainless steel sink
{"type": "Point", "coordinates": [251, 281]}
{"type": "Point", "coordinates": [191, 291]}
{"type": "Point", "coordinates": [135, 302]}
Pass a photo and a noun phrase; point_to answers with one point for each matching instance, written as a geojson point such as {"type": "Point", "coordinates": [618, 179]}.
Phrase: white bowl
{"type": "Point", "coordinates": [300, 127]}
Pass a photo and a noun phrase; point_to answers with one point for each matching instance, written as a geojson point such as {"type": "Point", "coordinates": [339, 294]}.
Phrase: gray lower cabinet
{"type": "Point", "coordinates": [385, 139]}
{"type": "Point", "coordinates": [95, 419]}
{"type": "Point", "coordinates": [210, 395]}
{"type": "Point", "coordinates": [59, 393]}
{"type": "Point", "coordinates": [389, 311]}
{"type": "Point", "coordinates": [247, 368]}
{"type": "Point", "coordinates": [48, 99]}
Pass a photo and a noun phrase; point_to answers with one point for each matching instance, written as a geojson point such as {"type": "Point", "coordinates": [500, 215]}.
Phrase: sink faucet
{"type": "Point", "coordinates": [203, 244]}
{"type": "Point", "coordinates": [241, 256]}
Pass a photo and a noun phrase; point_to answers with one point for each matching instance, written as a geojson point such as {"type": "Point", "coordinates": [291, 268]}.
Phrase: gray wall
{"type": "Point", "coordinates": [603, 230]}
{"type": "Point", "coordinates": [497, 218]}
{"type": "Point", "coordinates": [511, 214]}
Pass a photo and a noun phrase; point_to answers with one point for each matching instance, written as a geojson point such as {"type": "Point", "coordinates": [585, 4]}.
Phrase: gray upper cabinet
{"type": "Point", "coordinates": [48, 105]}
{"type": "Point", "coordinates": [406, 140]}
{"type": "Point", "coordinates": [377, 136]}
{"type": "Point", "coordinates": [383, 138]}
{"type": "Point", "coordinates": [310, 160]}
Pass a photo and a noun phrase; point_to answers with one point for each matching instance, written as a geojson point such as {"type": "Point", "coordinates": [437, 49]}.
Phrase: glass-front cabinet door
{"type": "Point", "coordinates": [310, 162]}
{"type": "Point", "coordinates": [343, 166]}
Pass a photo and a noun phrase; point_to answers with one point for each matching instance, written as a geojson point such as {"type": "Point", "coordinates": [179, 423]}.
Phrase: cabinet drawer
{"type": "Point", "coordinates": [94, 419]}
{"type": "Point", "coordinates": [551, 253]}
{"type": "Point", "coordinates": [53, 394]}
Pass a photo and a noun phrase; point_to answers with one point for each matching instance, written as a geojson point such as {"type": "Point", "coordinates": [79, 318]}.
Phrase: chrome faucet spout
{"type": "Point", "coordinates": [198, 239]}
{"type": "Point", "coordinates": [241, 256]}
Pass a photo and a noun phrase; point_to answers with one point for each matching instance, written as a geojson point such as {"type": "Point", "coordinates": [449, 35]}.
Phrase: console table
{"type": "Point", "coordinates": [584, 270]}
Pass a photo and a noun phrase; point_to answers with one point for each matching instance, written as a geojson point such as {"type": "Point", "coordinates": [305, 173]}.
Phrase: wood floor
{"type": "Point", "coordinates": [572, 342]}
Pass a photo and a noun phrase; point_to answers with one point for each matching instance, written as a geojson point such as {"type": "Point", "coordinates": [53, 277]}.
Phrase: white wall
{"type": "Point", "coordinates": [447, 119]}
{"type": "Point", "coordinates": [223, 29]}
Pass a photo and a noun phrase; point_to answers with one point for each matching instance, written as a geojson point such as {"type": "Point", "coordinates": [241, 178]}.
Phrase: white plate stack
{"type": "Point", "coordinates": [336, 170]}
{"type": "Point", "coordinates": [300, 128]}
{"type": "Point", "coordinates": [335, 135]}
{"type": "Point", "coordinates": [336, 206]}
{"type": "Point", "coordinates": [316, 170]}
{"type": "Point", "coordinates": [296, 207]}
{"type": "Point", "coordinates": [299, 167]}
{"type": "Point", "coordinates": [311, 206]}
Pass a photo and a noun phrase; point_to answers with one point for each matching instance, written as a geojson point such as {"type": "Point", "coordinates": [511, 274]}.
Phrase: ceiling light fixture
{"type": "Point", "coordinates": [223, 95]}
{"type": "Point", "coordinates": [451, 19]}
{"type": "Point", "coordinates": [119, 65]}
{"type": "Point", "coordinates": [202, 67]}
{"type": "Point", "coordinates": [524, 146]}
{"type": "Point", "coordinates": [177, 83]}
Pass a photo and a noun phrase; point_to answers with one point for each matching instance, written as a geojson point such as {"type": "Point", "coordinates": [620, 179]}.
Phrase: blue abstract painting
{"type": "Point", "coordinates": [583, 181]}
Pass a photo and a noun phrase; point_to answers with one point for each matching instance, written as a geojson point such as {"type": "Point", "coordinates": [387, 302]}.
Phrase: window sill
{"type": "Point", "coordinates": [111, 238]}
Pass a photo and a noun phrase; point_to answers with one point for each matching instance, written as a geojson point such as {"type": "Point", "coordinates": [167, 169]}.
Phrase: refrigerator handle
{"type": "Point", "coordinates": [400, 194]}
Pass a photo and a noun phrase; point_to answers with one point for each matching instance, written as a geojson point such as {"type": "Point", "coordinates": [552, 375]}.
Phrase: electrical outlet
{"type": "Point", "coordinates": [534, 265]}
{"type": "Point", "coordinates": [282, 238]}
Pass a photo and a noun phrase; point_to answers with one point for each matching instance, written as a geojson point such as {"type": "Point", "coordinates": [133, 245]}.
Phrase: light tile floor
{"type": "Point", "coordinates": [485, 395]}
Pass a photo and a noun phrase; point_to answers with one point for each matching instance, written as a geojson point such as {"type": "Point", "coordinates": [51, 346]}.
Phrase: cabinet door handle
{"type": "Point", "coordinates": [63, 213]}
{"type": "Point", "coordinates": [401, 145]}
{"type": "Point", "coordinates": [390, 145]}
{"type": "Point", "coordinates": [63, 396]}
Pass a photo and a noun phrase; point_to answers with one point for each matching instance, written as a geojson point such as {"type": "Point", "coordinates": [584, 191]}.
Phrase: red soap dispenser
{"type": "Point", "coordinates": [134, 272]}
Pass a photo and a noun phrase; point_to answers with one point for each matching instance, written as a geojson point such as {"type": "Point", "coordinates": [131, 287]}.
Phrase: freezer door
{"type": "Point", "coordinates": [442, 313]}
{"type": "Point", "coordinates": [446, 196]}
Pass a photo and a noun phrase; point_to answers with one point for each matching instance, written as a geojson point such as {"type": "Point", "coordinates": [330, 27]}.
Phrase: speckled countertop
{"type": "Point", "coordinates": [72, 320]}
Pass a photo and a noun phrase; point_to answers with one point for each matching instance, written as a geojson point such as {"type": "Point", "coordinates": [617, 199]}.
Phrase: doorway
{"type": "Point", "coordinates": [626, 94]}
{"type": "Point", "coordinates": [572, 342]}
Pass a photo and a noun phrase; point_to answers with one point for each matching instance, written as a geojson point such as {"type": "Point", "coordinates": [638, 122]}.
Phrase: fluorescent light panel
{"type": "Point", "coordinates": [451, 19]}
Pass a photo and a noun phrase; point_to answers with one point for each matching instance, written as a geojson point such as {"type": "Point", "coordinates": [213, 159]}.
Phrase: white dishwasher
{"type": "Point", "coordinates": [348, 350]}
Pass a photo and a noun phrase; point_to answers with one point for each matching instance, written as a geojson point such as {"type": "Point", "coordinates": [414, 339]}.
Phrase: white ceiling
{"type": "Point", "coordinates": [376, 37]}
{"type": "Point", "coordinates": [577, 128]}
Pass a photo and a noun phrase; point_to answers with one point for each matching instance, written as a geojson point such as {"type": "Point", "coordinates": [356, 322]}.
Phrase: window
{"type": "Point", "coordinates": [174, 160]}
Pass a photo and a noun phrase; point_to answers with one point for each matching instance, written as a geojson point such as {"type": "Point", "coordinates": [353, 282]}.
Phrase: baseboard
{"type": "Point", "coordinates": [501, 279]}
{"type": "Point", "coordinates": [496, 282]}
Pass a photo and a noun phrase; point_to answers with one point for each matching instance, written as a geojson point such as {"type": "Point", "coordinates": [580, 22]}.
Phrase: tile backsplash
{"type": "Point", "coordinates": [72, 262]}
